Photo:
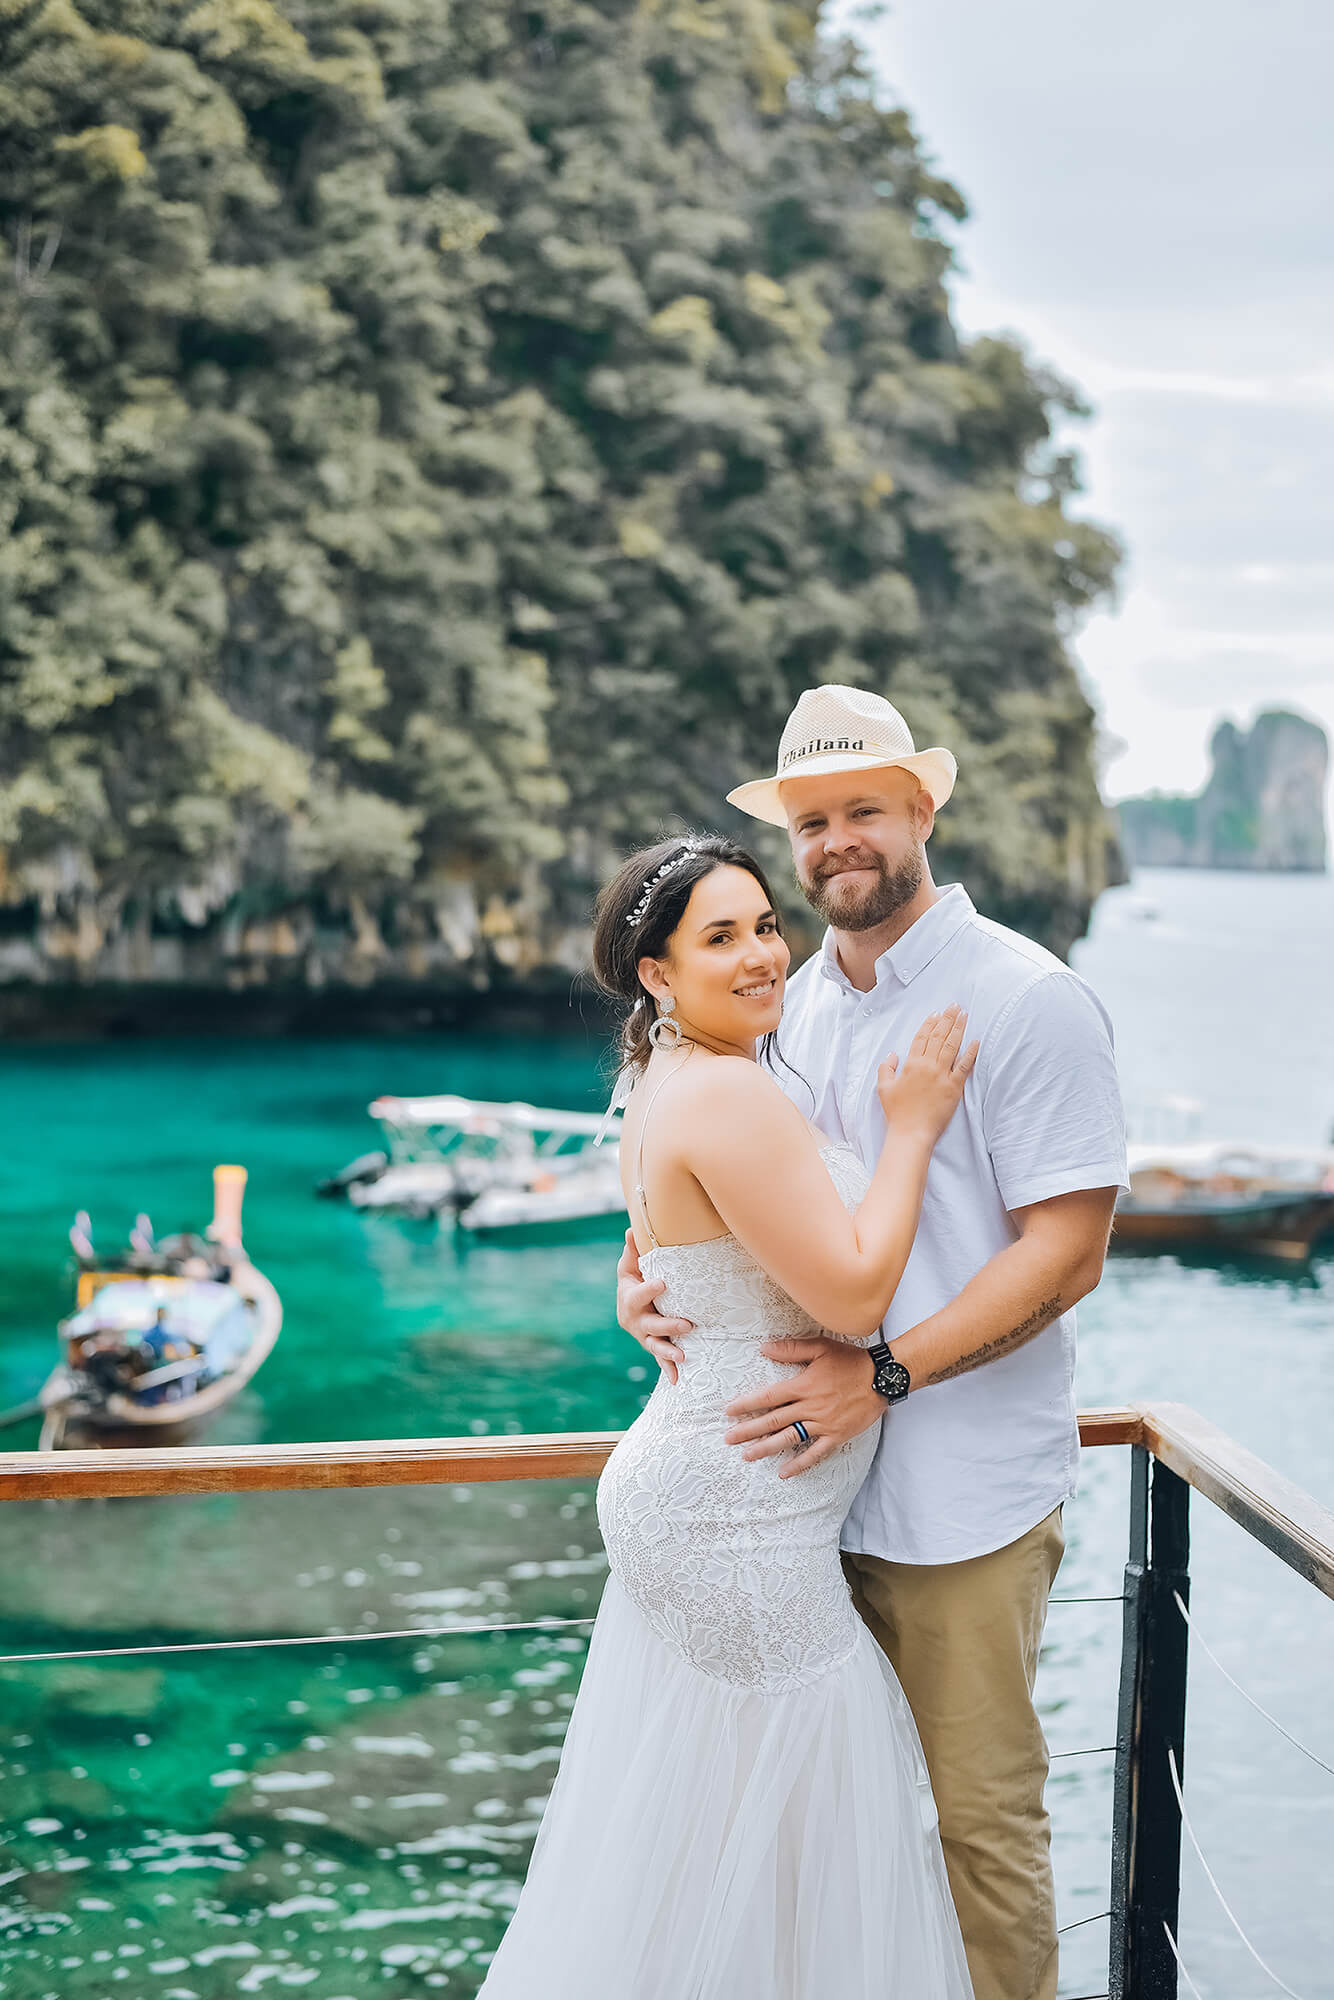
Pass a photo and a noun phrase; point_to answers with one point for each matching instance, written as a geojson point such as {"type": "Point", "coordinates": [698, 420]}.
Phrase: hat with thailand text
{"type": "Point", "coordinates": [844, 729]}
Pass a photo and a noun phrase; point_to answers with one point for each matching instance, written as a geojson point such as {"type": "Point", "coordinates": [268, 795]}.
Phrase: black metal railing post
{"type": "Point", "coordinates": [1146, 1829]}
{"type": "Point", "coordinates": [1123, 1787]}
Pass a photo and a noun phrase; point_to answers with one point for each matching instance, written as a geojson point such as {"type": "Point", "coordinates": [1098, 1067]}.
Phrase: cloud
{"type": "Point", "coordinates": [1134, 166]}
{"type": "Point", "coordinates": [1227, 672]}
{"type": "Point", "coordinates": [1285, 605]}
{"type": "Point", "coordinates": [1150, 194]}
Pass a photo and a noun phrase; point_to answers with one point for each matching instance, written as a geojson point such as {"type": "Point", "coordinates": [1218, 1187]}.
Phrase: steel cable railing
{"type": "Point", "coordinates": [423, 1633]}
{"type": "Point", "coordinates": [1181, 1453]}
{"type": "Point", "coordinates": [1259, 1707]}
{"type": "Point", "coordinates": [1212, 1880]}
{"type": "Point", "coordinates": [1181, 1966]}
{"type": "Point", "coordinates": [301, 1639]}
{"type": "Point", "coordinates": [1189, 1830]}
{"type": "Point", "coordinates": [554, 1624]}
{"type": "Point", "coordinates": [1090, 1750]}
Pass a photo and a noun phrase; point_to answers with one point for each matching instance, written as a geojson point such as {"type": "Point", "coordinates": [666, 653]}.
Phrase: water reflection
{"type": "Point", "coordinates": [344, 1825]}
{"type": "Point", "coordinates": [1238, 1268]}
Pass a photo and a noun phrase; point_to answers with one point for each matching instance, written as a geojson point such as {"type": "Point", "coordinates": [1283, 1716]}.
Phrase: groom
{"type": "Point", "coordinates": [953, 1543]}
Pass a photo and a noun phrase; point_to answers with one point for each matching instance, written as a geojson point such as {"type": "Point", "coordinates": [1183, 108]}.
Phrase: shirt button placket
{"type": "Point", "coordinates": [859, 1079]}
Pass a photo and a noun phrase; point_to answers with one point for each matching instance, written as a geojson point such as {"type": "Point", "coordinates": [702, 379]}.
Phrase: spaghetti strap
{"type": "Point", "coordinates": [639, 1151]}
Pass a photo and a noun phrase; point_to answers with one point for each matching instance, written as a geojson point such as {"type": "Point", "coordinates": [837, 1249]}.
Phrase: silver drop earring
{"type": "Point", "coordinates": [666, 1032]}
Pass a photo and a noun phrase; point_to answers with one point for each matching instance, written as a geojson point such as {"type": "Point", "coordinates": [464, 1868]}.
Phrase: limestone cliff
{"type": "Point", "coordinates": [464, 948]}
{"type": "Point", "coordinates": [434, 458]}
{"type": "Point", "coordinates": [1262, 808]}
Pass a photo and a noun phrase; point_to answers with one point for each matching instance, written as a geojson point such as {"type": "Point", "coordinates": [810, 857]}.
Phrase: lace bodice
{"type": "Point", "coordinates": [734, 1567]}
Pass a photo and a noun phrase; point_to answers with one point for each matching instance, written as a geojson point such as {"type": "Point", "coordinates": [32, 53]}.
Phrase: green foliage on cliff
{"type": "Point", "coordinates": [438, 438]}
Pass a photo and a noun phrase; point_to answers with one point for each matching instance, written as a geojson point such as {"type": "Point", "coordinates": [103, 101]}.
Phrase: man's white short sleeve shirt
{"type": "Point", "coordinates": [969, 1465]}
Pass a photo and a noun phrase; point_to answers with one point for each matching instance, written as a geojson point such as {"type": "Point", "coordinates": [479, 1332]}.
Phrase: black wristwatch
{"type": "Point", "coordinates": [891, 1379]}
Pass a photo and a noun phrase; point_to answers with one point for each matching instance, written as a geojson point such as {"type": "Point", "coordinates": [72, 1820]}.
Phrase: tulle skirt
{"type": "Point", "coordinates": [704, 1842]}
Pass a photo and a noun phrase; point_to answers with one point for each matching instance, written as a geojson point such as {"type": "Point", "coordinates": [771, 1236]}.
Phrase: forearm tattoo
{"type": "Point", "coordinates": [1006, 1343]}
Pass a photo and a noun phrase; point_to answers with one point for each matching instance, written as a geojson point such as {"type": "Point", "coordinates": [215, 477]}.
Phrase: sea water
{"type": "Point", "coordinates": [353, 1820]}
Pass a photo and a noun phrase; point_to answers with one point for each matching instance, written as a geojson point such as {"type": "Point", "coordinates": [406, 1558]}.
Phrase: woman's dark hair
{"type": "Point", "coordinates": [653, 887]}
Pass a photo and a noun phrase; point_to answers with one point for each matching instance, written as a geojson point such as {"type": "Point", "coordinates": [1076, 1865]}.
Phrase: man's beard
{"type": "Point", "coordinates": [863, 907]}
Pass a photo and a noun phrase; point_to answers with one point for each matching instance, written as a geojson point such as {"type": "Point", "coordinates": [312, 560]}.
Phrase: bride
{"type": "Point", "coordinates": [742, 1810]}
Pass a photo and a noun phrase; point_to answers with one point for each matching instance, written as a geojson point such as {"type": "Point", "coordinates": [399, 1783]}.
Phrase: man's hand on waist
{"type": "Point", "coordinates": [637, 1313]}
{"type": "Point", "coordinates": [832, 1396]}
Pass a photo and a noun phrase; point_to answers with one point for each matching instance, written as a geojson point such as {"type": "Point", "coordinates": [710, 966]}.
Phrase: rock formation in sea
{"type": "Point", "coordinates": [1262, 808]}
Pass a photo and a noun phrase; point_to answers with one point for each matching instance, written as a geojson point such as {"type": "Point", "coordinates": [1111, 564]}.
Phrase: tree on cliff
{"type": "Point", "coordinates": [435, 440]}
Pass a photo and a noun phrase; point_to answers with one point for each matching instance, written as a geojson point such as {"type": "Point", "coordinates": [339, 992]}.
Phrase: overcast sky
{"type": "Point", "coordinates": [1152, 196]}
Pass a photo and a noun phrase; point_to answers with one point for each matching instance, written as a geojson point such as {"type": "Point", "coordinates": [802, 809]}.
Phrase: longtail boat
{"type": "Point", "coordinates": [1227, 1198]}
{"type": "Point", "coordinates": [163, 1334]}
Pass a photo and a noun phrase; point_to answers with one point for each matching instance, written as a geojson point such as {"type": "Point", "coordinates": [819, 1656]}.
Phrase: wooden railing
{"type": "Point", "coordinates": [1269, 1507]}
{"type": "Point", "coordinates": [258, 1468]}
{"type": "Point", "coordinates": [1172, 1450]}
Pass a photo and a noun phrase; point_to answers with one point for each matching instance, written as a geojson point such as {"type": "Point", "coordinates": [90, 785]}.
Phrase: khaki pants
{"type": "Point", "coordinates": [963, 1639]}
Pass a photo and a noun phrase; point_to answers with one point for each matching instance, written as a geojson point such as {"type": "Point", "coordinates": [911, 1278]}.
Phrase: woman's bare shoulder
{"type": "Point", "coordinates": [727, 1087]}
{"type": "Point", "coordinates": [734, 1075]}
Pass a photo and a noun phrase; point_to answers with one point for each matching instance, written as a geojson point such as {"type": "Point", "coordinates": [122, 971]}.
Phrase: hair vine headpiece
{"type": "Point", "coordinates": [651, 882]}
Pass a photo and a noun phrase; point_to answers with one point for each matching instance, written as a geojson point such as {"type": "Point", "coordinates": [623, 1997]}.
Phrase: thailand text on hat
{"type": "Point", "coordinates": [844, 729]}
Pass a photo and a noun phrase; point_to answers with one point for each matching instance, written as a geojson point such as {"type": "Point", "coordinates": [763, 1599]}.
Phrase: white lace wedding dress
{"type": "Point", "coordinates": [742, 1810]}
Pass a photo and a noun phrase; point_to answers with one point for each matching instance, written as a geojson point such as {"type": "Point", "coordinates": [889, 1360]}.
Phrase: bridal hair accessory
{"type": "Point", "coordinates": [673, 861]}
{"type": "Point", "coordinates": [844, 729]}
{"type": "Point", "coordinates": [666, 1032]}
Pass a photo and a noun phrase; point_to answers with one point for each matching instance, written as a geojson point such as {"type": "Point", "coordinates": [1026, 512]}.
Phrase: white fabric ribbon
{"type": "Point", "coordinates": [620, 1097]}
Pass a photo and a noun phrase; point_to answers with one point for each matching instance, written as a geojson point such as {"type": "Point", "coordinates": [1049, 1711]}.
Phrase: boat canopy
{"type": "Point", "coordinates": [474, 1115]}
{"type": "Point", "coordinates": [1197, 1159]}
{"type": "Point", "coordinates": [195, 1307]}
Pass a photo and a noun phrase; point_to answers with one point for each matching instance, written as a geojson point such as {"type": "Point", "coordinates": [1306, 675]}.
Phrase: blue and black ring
{"type": "Point", "coordinates": [801, 1430]}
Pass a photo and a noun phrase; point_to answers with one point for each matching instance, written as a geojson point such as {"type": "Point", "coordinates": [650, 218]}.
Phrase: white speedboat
{"type": "Point", "coordinates": [581, 1194]}
{"type": "Point", "coordinates": [486, 1165]}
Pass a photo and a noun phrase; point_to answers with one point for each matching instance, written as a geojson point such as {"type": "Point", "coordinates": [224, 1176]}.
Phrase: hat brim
{"type": "Point", "coordinates": [935, 769]}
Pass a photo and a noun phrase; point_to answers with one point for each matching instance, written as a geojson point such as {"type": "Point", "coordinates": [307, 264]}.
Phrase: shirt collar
{"type": "Point", "coordinates": [917, 947]}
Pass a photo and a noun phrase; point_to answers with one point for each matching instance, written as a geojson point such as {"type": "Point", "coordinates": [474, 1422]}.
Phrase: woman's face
{"type": "Point", "coordinates": [725, 964]}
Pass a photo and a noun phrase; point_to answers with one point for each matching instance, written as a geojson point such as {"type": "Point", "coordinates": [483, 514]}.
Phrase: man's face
{"type": "Point", "coordinates": [859, 843]}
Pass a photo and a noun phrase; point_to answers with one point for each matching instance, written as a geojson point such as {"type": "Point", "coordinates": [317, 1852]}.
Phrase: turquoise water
{"type": "Point", "coordinates": [352, 1821]}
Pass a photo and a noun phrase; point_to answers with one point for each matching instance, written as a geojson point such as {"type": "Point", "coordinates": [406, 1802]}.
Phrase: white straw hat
{"type": "Point", "coordinates": [844, 729]}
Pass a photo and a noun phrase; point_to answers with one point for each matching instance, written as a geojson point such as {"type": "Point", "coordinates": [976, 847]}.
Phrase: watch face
{"type": "Point", "coordinates": [892, 1380]}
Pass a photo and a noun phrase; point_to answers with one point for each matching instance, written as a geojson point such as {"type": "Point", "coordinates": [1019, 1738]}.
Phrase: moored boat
{"type": "Point", "coordinates": [488, 1166]}
{"type": "Point", "coordinates": [581, 1194]}
{"type": "Point", "coordinates": [163, 1335]}
{"type": "Point", "coordinates": [1227, 1197]}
